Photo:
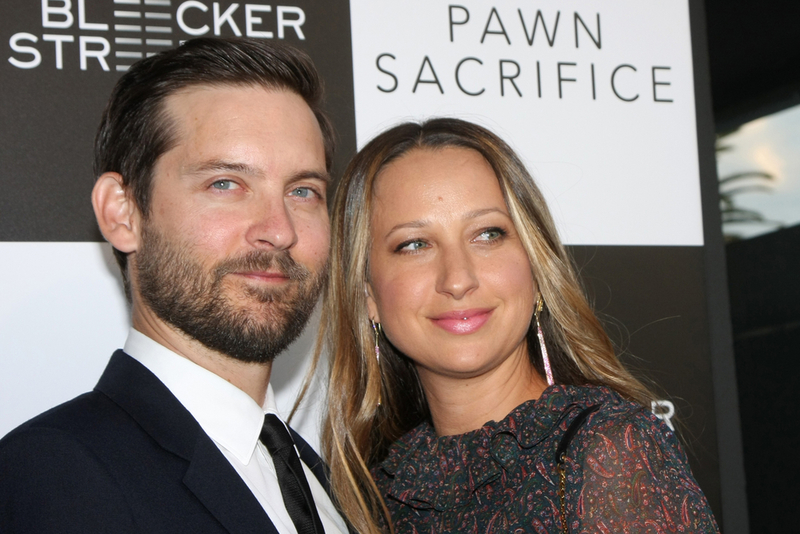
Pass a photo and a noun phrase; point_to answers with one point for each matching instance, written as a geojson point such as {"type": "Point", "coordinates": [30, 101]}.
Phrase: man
{"type": "Point", "coordinates": [213, 161]}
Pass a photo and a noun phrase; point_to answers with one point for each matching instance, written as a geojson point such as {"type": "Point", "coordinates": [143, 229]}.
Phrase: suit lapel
{"type": "Point", "coordinates": [209, 475]}
{"type": "Point", "coordinates": [232, 503]}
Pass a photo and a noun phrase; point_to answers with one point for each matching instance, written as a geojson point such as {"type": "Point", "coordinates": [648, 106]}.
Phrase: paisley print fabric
{"type": "Point", "coordinates": [625, 472]}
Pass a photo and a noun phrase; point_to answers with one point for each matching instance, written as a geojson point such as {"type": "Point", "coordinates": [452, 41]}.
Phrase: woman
{"type": "Point", "coordinates": [472, 388]}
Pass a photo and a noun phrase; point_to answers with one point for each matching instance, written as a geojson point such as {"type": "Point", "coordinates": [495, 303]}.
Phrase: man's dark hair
{"type": "Point", "coordinates": [135, 130]}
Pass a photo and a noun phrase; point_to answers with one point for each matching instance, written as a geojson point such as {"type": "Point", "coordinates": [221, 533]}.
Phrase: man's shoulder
{"type": "Point", "coordinates": [91, 449]}
{"type": "Point", "coordinates": [89, 414]}
{"type": "Point", "coordinates": [74, 407]}
{"type": "Point", "coordinates": [95, 422]}
{"type": "Point", "coordinates": [57, 468]}
{"type": "Point", "coordinates": [60, 449]}
{"type": "Point", "coordinates": [91, 418]}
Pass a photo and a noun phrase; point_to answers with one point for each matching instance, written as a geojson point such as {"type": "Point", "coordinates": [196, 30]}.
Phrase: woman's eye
{"type": "Point", "coordinates": [411, 246]}
{"type": "Point", "coordinates": [224, 185]}
{"type": "Point", "coordinates": [491, 234]}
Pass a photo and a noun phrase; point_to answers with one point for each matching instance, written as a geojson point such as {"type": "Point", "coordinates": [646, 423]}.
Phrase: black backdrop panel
{"type": "Point", "coordinates": [55, 85]}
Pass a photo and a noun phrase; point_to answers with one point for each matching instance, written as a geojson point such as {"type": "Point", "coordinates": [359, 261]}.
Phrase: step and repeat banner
{"type": "Point", "coordinates": [599, 98]}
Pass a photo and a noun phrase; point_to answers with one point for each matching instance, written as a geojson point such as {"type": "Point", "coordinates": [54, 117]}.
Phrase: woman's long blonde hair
{"type": "Point", "coordinates": [358, 430]}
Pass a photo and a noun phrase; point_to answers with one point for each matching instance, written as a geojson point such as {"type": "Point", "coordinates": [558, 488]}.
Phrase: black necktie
{"type": "Point", "coordinates": [294, 486]}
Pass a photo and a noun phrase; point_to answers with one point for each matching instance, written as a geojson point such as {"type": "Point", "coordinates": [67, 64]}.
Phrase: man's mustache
{"type": "Point", "coordinates": [260, 260]}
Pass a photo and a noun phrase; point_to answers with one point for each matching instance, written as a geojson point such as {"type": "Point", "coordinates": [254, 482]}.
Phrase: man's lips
{"type": "Point", "coordinates": [265, 276]}
{"type": "Point", "coordinates": [463, 321]}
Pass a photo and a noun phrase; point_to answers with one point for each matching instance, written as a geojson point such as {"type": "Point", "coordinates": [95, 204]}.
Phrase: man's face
{"type": "Point", "coordinates": [234, 249]}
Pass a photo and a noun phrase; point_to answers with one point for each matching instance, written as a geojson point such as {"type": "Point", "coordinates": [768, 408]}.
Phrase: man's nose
{"type": "Point", "coordinates": [272, 226]}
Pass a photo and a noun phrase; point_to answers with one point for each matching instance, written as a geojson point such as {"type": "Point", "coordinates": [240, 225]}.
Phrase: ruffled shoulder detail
{"type": "Point", "coordinates": [425, 471]}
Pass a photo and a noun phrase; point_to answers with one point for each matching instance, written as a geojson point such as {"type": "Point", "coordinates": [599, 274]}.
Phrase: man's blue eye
{"type": "Point", "coordinates": [302, 192]}
{"type": "Point", "coordinates": [223, 184]}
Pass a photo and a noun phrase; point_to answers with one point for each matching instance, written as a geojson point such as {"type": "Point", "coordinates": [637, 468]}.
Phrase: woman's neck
{"type": "Point", "coordinates": [459, 405]}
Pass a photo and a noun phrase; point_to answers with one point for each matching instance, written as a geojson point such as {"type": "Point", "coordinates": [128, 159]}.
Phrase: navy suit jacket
{"type": "Point", "coordinates": [126, 457]}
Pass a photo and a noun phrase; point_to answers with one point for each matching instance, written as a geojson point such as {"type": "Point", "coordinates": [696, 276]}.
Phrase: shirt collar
{"type": "Point", "coordinates": [227, 414]}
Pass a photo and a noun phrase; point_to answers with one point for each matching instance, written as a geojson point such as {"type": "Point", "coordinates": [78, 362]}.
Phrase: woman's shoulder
{"type": "Point", "coordinates": [618, 429]}
{"type": "Point", "coordinates": [622, 422]}
{"type": "Point", "coordinates": [625, 466]}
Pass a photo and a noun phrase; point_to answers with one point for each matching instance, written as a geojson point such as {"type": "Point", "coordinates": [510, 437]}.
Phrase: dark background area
{"type": "Point", "coordinates": [754, 62]}
{"type": "Point", "coordinates": [754, 58]}
{"type": "Point", "coordinates": [762, 273]}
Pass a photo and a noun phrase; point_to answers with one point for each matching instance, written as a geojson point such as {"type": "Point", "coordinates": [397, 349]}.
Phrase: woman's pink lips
{"type": "Point", "coordinates": [463, 321]}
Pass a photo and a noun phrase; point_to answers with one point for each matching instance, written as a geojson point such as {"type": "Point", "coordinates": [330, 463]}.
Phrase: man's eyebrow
{"type": "Point", "coordinates": [216, 165]}
{"type": "Point", "coordinates": [303, 175]}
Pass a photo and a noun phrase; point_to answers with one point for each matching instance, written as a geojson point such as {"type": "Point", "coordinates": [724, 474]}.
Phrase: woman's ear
{"type": "Point", "coordinates": [116, 212]}
{"type": "Point", "coordinates": [372, 307]}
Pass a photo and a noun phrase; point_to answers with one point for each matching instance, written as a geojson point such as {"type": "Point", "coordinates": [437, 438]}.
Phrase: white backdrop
{"type": "Point", "coordinates": [618, 164]}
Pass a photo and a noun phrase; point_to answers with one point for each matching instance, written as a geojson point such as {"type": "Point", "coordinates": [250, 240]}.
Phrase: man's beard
{"type": "Point", "coordinates": [183, 294]}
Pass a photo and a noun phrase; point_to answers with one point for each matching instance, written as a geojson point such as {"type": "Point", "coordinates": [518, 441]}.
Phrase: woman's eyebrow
{"type": "Point", "coordinates": [420, 223]}
{"type": "Point", "coordinates": [485, 211]}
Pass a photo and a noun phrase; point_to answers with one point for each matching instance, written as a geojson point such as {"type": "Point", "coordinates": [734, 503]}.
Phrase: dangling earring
{"type": "Point", "coordinates": [545, 359]}
{"type": "Point", "coordinates": [376, 327]}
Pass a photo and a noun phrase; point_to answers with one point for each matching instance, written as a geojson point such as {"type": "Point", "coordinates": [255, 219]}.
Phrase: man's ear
{"type": "Point", "coordinates": [116, 212]}
{"type": "Point", "coordinates": [372, 307]}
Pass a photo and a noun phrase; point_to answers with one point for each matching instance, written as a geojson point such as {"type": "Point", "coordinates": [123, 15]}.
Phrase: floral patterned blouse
{"type": "Point", "coordinates": [625, 472]}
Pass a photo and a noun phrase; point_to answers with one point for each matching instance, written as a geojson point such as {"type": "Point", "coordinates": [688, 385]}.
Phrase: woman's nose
{"type": "Point", "coordinates": [457, 276]}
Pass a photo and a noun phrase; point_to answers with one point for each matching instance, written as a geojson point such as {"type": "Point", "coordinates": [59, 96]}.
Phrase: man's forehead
{"type": "Point", "coordinates": [185, 99]}
{"type": "Point", "coordinates": [235, 123]}
{"type": "Point", "coordinates": [228, 106]}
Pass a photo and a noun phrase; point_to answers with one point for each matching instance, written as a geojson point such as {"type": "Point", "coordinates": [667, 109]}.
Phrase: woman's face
{"type": "Point", "coordinates": [449, 279]}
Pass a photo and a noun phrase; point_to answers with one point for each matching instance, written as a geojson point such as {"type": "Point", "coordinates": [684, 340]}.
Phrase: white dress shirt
{"type": "Point", "coordinates": [233, 421]}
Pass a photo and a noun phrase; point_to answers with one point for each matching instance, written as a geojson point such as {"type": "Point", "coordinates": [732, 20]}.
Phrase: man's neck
{"type": "Point", "coordinates": [252, 378]}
